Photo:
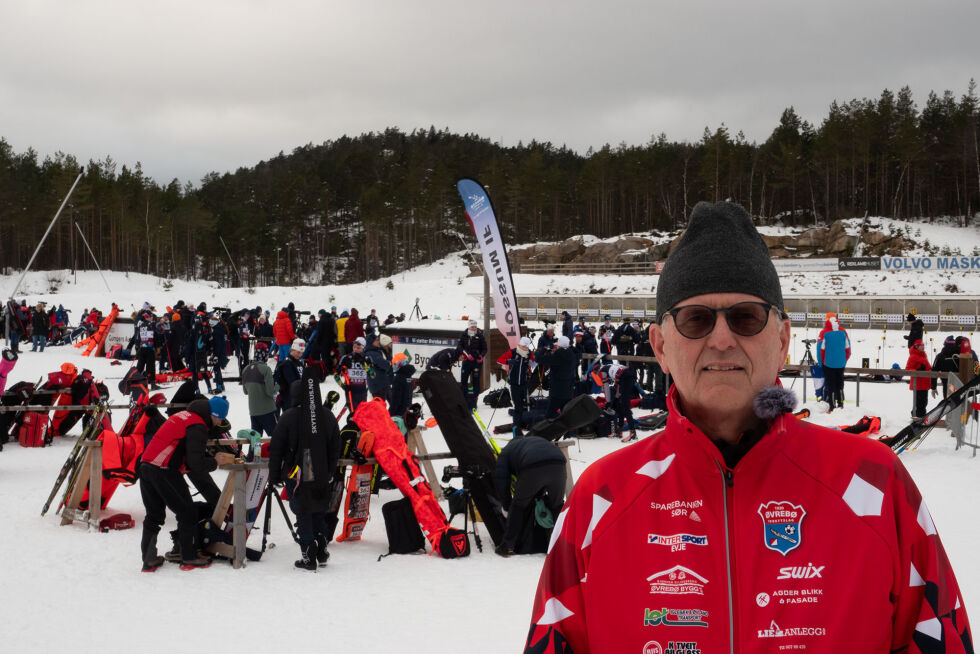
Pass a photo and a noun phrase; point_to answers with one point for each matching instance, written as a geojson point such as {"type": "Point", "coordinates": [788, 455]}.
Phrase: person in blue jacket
{"type": "Point", "coordinates": [833, 351]}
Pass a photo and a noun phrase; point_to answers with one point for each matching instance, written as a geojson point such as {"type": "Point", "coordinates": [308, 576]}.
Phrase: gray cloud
{"type": "Point", "coordinates": [188, 88]}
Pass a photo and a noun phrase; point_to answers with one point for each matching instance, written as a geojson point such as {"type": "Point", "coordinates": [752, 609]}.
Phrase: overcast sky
{"type": "Point", "coordinates": [213, 85]}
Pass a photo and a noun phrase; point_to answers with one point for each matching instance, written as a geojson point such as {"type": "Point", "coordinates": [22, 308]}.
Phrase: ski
{"type": "Point", "coordinates": [917, 430]}
{"type": "Point", "coordinates": [486, 433]}
{"type": "Point", "coordinates": [71, 463]}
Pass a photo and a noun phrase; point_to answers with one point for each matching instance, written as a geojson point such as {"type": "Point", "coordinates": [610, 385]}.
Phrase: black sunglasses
{"type": "Point", "coordinates": [697, 321]}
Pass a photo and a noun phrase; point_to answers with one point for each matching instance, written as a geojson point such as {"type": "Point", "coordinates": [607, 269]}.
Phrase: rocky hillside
{"type": "Point", "coordinates": [840, 239]}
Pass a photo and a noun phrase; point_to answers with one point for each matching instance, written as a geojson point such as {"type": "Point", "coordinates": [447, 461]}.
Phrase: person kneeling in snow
{"type": "Point", "coordinates": [179, 444]}
{"type": "Point", "coordinates": [306, 462]}
{"type": "Point", "coordinates": [539, 467]}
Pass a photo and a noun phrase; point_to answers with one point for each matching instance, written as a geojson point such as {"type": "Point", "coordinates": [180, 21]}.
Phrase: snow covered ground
{"type": "Point", "coordinates": [67, 589]}
{"type": "Point", "coordinates": [64, 588]}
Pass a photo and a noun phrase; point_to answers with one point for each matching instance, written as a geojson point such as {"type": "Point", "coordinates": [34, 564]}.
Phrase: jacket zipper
{"type": "Point", "coordinates": [728, 481]}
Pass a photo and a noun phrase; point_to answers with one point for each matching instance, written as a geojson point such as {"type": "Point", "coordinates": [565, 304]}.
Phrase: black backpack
{"type": "Point", "coordinates": [498, 399]}
{"type": "Point", "coordinates": [404, 534]}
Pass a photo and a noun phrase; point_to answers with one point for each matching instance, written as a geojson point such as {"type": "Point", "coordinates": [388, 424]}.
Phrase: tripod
{"type": "Point", "coordinates": [806, 362]}
{"type": "Point", "coordinates": [269, 492]}
{"type": "Point", "coordinates": [468, 509]}
{"type": "Point", "coordinates": [416, 311]}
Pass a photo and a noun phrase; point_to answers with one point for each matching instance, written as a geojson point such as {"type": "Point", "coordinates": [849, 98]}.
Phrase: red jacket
{"type": "Point", "coordinates": [282, 329]}
{"type": "Point", "coordinates": [817, 541]}
{"type": "Point", "coordinates": [919, 361]}
{"type": "Point", "coordinates": [353, 328]}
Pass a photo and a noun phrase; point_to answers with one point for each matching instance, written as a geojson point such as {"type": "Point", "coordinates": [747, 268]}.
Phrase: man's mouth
{"type": "Point", "coordinates": [721, 368]}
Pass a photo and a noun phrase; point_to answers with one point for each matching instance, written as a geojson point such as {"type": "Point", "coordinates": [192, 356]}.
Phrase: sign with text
{"type": "Point", "coordinates": [914, 264]}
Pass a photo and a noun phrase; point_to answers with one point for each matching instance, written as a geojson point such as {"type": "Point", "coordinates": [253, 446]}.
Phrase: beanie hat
{"type": "Point", "coordinates": [385, 340]}
{"type": "Point", "coordinates": [219, 407]}
{"type": "Point", "coordinates": [720, 252]}
{"type": "Point", "coordinates": [910, 317]}
{"type": "Point", "coordinates": [299, 345]}
{"type": "Point", "coordinates": [360, 341]}
{"type": "Point", "coordinates": [563, 341]}
{"type": "Point", "coordinates": [525, 342]}
{"type": "Point", "coordinates": [949, 341]}
{"type": "Point", "coordinates": [472, 323]}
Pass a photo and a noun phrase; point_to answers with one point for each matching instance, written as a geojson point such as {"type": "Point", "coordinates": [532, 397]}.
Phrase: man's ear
{"type": "Point", "coordinates": [657, 343]}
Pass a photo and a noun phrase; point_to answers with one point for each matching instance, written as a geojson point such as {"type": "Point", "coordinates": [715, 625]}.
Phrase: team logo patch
{"type": "Point", "coordinates": [782, 524]}
{"type": "Point", "coordinates": [677, 581]}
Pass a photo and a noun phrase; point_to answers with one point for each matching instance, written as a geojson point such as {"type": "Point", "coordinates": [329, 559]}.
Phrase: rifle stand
{"type": "Point", "coordinates": [89, 475]}
{"type": "Point", "coordinates": [234, 489]}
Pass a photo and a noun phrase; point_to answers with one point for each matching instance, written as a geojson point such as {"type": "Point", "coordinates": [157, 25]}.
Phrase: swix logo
{"type": "Point", "coordinates": [459, 543]}
{"type": "Point", "coordinates": [808, 571]}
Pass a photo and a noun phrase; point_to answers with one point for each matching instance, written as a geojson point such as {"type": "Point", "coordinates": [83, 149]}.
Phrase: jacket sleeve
{"type": "Point", "coordinates": [270, 383]}
{"type": "Point", "coordinates": [278, 446]}
{"type": "Point", "coordinates": [929, 615]}
{"type": "Point", "coordinates": [501, 477]}
{"type": "Point", "coordinates": [558, 619]}
{"type": "Point", "coordinates": [196, 458]}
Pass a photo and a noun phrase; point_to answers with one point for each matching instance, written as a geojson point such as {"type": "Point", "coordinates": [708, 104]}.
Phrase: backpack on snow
{"type": "Point", "coordinates": [498, 399]}
{"type": "Point", "coordinates": [404, 534]}
{"type": "Point", "coordinates": [34, 430]}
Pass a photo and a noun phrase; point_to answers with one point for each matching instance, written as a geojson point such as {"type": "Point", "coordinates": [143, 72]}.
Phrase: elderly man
{"type": "Point", "coordinates": [740, 528]}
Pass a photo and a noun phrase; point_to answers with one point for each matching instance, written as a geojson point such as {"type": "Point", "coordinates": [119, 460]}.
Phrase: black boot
{"type": "Point", "coordinates": [322, 555]}
{"type": "Point", "coordinates": [195, 562]}
{"type": "Point", "coordinates": [173, 555]}
{"type": "Point", "coordinates": [151, 561]}
{"type": "Point", "coordinates": [308, 562]}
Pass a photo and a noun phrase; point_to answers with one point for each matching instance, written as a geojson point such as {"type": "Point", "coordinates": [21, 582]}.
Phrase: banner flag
{"type": "Point", "coordinates": [479, 211]}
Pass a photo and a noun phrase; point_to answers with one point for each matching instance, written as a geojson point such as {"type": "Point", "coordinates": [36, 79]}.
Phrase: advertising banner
{"type": "Point", "coordinates": [859, 263]}
{"type": "Point", "coordinates": [970, 264]}
{"type": "Point", "coordinates": [479, 211]}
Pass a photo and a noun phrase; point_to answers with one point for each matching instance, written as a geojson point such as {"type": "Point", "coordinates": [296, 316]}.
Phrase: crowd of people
{"type": "Point", "coordinates": [36, 324]}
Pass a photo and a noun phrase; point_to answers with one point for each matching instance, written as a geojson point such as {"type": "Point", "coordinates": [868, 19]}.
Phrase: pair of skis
{"type": "Point", "coordinates": [914, 433]}
{"type": "Point", "coordinates": [71, 465]}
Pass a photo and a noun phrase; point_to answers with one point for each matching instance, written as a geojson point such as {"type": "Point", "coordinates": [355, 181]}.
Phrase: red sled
{"type": "Point", "coordinates": [34, 430]}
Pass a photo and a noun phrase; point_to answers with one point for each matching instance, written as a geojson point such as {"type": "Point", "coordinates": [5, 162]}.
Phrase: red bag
{"type": "Point", "coordinates": [33, 430]}
{"type": "Point", "coordinates": [117, 521]}
{"type": "Point", "coordinates": [403, 468]}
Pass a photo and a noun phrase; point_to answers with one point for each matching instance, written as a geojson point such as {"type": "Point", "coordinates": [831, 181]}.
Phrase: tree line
{"type": "Point", "coordinates": [367, 207]}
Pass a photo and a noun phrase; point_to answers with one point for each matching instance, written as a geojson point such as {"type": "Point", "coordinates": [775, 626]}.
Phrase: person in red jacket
{"type": "Point", "coordinates": [282, 330]}
{"type": "Point", "coordinates": [353, 328]}
{"type": "Point", "coordinates": [176, 447]}
{"type": "Point", "coordinates": [740, 528]}
{"type": "Point", "coordinates": [920, 386]}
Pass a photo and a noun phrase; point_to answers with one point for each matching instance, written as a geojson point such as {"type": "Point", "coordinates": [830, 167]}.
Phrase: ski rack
{"type": "Point", "coordinates": [89, 474]}
{"type": "Point", "coordinates": [233, 492]}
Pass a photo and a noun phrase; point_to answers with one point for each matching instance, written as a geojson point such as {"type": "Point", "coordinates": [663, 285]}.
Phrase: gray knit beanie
{"type": "Point", "coordinates": [720, 252]}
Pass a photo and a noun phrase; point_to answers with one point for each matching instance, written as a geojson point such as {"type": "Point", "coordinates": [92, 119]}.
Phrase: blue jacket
{"type": "Point", "coordinates": [834, 347]}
